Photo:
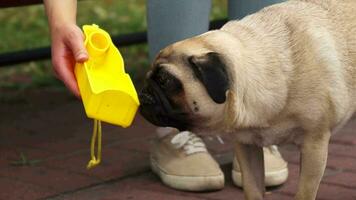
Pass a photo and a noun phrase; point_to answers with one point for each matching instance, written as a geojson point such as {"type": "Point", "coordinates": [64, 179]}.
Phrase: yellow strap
{"type": "Point", "coordinates": [94, 161]}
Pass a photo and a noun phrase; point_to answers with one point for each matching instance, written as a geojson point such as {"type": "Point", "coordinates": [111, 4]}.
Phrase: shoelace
{"type": "Point", "coordinates": [273, 149]}
{"type": "Point", "coordinates": [189, 142]}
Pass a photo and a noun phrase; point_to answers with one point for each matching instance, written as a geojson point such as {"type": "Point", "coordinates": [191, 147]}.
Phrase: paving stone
{"type": "Point", "coordinates": [339, 162]}
{"type": "Point", "coordinates": [343, 179]}
{"type": "Point", "coordinates": [344, 138]}
{"type": "Point", "coordinates": [332, 192]}
{"type": "Point", "coordinates": [61, 147]}
{"type": "Point", "coordinates": [274, 196]}
{"type": "Point", "coordinates": [148, 187]}
{"type": "Point", "coordinates": [17, 190]}
{"type": "Point", "coordinates": [141, 145]}
{"type": "Point", "coordinates": [54, 179]}
{"type": "Point", "coordinates": [115, 163]}
{"type": "Point", "coordinates": [127, 194]}
{"type": "Point", "coordinates": [11, 155]}
{"type": "Point", "coordinates": [337, 149]}
{"type": "Point", "coordinates": [326, 191]}
{"type": "Point", "coordinates": [56, 131]}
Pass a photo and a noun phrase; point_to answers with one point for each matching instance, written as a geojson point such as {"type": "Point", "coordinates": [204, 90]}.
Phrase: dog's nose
{"type": "Point", "coordinates": [146, 99]}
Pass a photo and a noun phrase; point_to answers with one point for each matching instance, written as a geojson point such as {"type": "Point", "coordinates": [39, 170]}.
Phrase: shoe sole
{"type": "Point", "coordinates": [189, 183]}
{"type": "Point", "coordinates": [271, 178]}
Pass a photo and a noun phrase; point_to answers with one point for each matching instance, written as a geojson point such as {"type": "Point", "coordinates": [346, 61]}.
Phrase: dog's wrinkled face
{"type": "Point", "coordinates": [186, 87]}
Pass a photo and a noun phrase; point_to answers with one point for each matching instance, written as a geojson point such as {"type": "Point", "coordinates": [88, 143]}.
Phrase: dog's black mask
{"type": "Point", "coordinates": [156, 107]}
{"type": "Point", "coordinates": [159, 109]}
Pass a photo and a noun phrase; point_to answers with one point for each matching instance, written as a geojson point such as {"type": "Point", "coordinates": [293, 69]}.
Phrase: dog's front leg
{"type": "Point", "coordinates": [314, 153]}
{"type": "Point", "coordinates": [250, 158]}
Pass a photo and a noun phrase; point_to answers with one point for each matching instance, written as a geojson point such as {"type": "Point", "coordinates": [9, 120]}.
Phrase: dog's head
{"type": "Point", "coordinates": [187, 86]}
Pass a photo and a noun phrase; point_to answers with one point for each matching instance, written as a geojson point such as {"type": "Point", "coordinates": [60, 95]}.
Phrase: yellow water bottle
{"type": "Point", "coordinates": [107, 92]}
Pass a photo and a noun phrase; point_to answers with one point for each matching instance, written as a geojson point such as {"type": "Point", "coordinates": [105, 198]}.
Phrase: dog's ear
{"type": "Point", "coordinates": [211, 71]}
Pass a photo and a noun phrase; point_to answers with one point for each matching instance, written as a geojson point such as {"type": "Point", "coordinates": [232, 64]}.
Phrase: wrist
{"type": "Point", "coordinates": [60, 13]}
{"type": "Point", "coordinates": [61, 26]}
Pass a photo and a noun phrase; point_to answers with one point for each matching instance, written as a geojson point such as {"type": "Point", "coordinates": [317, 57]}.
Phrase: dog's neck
{"type": "Point", "coordinates": [256, 90]}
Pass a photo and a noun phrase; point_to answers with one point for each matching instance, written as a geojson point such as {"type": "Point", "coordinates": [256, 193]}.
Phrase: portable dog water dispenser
{"type": "Point", "coordinates": [107, 92]}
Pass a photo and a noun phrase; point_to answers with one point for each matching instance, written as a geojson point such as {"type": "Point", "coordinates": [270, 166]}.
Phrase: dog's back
{"type": "Point", "coordinates": [342, 14]}
{"type": "Point", "coordinates": [329, 36]}
{"type": "Point", "coordinates": [313, 43]}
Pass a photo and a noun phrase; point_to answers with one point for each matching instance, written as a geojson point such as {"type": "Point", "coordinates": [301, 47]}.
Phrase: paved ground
{"type": "Point", "coordinates": [44, 148]}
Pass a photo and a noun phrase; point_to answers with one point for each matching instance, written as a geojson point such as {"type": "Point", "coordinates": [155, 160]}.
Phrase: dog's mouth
{"type": "Point", "coordinates": [157, 109]}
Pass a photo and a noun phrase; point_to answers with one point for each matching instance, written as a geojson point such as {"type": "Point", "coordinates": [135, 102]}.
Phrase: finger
{"type": "Point", "coordinates": [63, 68]}
{"type": "Point", "coordinates": [75, 40]}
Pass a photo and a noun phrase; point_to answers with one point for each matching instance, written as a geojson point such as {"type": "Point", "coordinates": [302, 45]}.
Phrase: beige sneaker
{"type": "Point", "coordinates": [276, 170]}
{"type": "Point", "coordinates": [183, 162]}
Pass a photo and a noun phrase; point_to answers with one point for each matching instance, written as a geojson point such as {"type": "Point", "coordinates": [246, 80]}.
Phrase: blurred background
{"type": "Point", "coordinates": [26, 27]}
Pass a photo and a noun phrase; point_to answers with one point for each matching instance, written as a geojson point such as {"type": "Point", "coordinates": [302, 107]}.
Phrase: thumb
{"type": "Point", "coordinates": [76, 45]}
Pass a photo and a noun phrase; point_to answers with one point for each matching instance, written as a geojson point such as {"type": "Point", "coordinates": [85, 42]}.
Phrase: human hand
{"type": "Point", "coordinates": [67, 49]}
{"type": "Point", "coordinates": [67, 40]}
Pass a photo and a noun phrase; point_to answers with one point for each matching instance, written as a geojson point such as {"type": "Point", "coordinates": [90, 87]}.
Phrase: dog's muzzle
{"type": "Point", "coordinates": [156, 108]}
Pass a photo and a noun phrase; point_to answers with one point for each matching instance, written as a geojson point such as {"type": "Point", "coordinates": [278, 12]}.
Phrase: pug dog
{"type": "Point", "coordinates": [284, 74]}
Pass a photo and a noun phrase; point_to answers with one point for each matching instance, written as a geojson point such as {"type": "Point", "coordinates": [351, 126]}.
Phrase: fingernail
{"type": "Point", "coordinates": [82, 57]}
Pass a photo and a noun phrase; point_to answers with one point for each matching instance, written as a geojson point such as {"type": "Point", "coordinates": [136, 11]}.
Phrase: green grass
{"type": "Point", "coordinates": [26, 27]}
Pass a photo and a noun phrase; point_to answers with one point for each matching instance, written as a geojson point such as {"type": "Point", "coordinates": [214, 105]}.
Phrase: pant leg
{"type": "Point", "coordinates": [173, 20]}
{"type": "Point", "coordinates": [237, 9]}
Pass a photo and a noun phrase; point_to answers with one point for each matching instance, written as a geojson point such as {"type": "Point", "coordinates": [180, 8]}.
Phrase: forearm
{"type": "Point", "coordinates": [60, 12]}
{"type": "Point", "coordinates": [67, 40]}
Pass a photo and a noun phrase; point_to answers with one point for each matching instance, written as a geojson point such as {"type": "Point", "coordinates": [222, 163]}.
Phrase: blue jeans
{"type": "Point", "coordinates": [173, 20]}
